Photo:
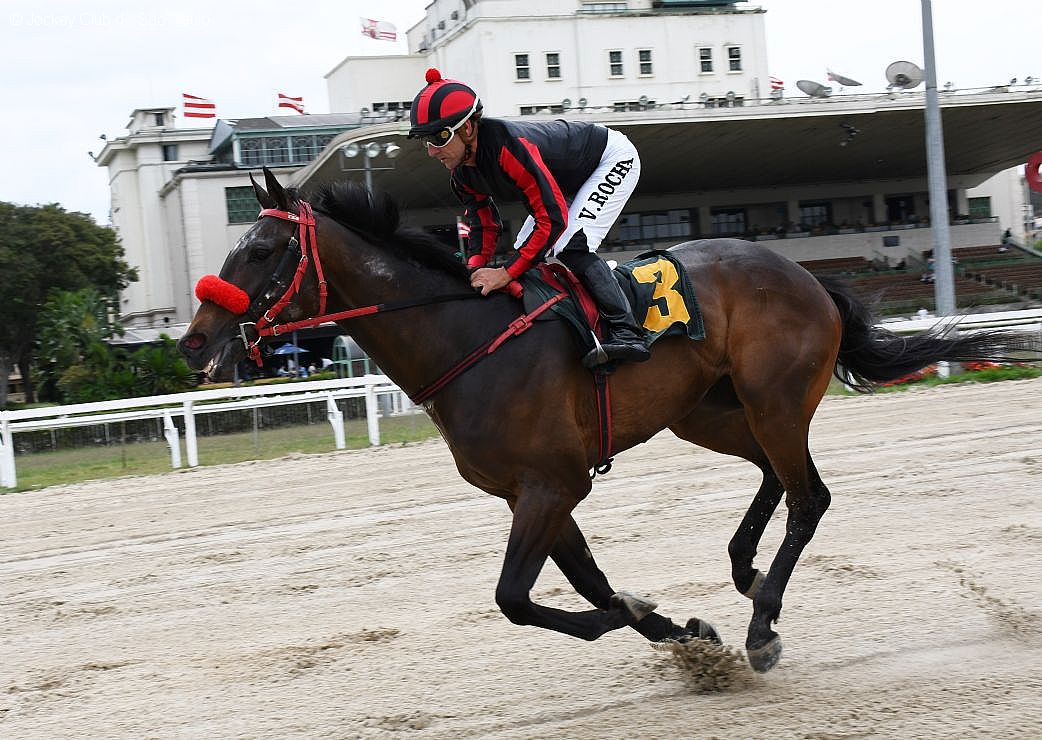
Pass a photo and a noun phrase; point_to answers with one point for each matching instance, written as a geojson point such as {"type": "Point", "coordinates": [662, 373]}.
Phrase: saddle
{"type": "Point", "coordinates": [655, 284]}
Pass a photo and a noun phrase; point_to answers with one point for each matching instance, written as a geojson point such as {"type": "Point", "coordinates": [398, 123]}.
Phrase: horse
{"type": "Point", "coordinates": [522, 424]}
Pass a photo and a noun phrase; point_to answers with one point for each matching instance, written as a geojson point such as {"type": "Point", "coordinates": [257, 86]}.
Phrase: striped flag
{"type": "Point", "coordinates": [196, 107]}
{"type": "Point", "coordinates": [777, 83]}
{"type": "Point", "coordinates": [380, 30]}
{"type": "Point", "coordinates": [285, 101]}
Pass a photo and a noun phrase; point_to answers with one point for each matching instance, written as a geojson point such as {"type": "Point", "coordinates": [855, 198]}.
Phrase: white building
{"type": "Point", "coordinates": [527, 56]}
{"type": "Point", "coordinates": [687, 81]}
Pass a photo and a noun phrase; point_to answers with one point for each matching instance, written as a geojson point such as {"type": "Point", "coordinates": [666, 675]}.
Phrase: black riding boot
{"type": "Point", "coordinates": [625, 341]}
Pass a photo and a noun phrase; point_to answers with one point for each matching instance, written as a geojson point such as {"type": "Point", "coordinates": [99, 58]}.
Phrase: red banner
{"type": "Point", "coordinates": [1034, 177]}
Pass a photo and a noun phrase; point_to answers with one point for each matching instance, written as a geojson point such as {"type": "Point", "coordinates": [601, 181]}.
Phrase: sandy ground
{"type": "Point", "coordinates": [351, 594]}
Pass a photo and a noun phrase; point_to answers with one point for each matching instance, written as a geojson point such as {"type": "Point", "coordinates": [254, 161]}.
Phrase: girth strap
{"type": "Point", "coordinates": [604, 442]}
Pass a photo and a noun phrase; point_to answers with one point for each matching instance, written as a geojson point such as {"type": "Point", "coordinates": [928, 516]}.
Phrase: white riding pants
{"type": "Point", "coordinates": [597, 205]}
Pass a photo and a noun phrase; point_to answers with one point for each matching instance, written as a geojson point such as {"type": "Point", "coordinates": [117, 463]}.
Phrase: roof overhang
{"type": "Point", "coordinates": [687, 148]}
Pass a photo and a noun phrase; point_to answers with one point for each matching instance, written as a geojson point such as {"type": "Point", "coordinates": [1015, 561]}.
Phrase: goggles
{"type": "Point", "coordinates": [443, 136]}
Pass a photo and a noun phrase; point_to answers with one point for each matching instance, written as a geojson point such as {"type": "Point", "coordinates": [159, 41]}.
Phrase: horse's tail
{"type": "Point", "coordinates": [870, 355]}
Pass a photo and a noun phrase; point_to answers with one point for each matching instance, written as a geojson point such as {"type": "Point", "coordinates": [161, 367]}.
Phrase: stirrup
{"type": "Point", "coordinates": [596, 356]}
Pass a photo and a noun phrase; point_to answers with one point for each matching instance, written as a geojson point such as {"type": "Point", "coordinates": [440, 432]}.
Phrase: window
{"type": "Point", "coordinates": [242, 205]}
{"type": "Point", "coordinates": [615, 63]}
{"type": "Point", "coordinates": [553, 65]}
{"type": "Point", "coordinates": [705, 60]}
{"type": "Point", "coordinates": [655, 226]}
{"type": "Point", "coordinates": [734, 58]}
{"type": "Point", "coordinates": [250, 152]}
{"type": "Point", "coordinates": [728, 221]}
{"type": "Point", "coordinates": [728, 101]}
{"type": "Point", "coordinates": [813, 215]}
{"type": "Point", "coordinates": [535, 110]}
{"type": "Point", "coordinates": [644, 60]}
{"type": "Point", "coordinates": [521, 67]}
{"type": "Point", "coordinates": [979, 207]}
{"type": "Point", "coordinates": [276, 149]}
{"type": "Point", "coordinates": [160, 119]}
{"type": "Point", "coordinates": [632, 105]}
{"type": "Point", "coordinates": [169, 152]}
{"type": "Point", "coordinates": [611, 7]}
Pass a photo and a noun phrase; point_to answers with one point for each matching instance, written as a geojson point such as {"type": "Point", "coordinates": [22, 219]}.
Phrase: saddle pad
{"type": "Point", "coordinates": [662, 296]}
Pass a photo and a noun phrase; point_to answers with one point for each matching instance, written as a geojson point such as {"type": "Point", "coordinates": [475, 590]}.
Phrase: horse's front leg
{"type": "Point", "coordinates": [540, 516]}
{"type": "Point", "coordinates": [572, 555]}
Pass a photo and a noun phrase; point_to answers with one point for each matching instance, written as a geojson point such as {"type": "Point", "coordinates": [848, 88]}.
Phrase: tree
{"type": "Point", "coordinates": [44, 248]}
{"type": "Point", "coordinates": [76, 363]}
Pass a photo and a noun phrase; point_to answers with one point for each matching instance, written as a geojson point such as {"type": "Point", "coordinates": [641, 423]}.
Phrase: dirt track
{"type": "Point", "coordinates": [351, 595]}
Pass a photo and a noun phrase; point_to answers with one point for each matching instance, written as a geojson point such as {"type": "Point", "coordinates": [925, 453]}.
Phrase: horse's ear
{"type": "Point", "coordinates": [276, 191]}
{"type": "Point", "coordinates": [263, 198]}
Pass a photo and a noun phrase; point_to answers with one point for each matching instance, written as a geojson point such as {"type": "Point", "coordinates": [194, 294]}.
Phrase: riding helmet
{"type": "Point", "coordinates": [441, 104]}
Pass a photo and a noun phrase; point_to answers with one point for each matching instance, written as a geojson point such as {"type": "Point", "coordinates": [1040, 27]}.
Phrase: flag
{"type": "Point", "coordinates": [833, 77]}
{"type": "Point", "coordinates": [285, 101]}
{"type": "Point", "coordinates": [462, 229]}
{"type": "Point", "coordinates": [380, 30]}
{"type": "Point", "coordinates": [196, 107]}
{"type": "Point", "coordinates": [777, 83]}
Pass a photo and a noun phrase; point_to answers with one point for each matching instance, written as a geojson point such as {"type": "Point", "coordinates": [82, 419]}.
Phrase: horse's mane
{"type": "Point", "coordinates": [375, 216]}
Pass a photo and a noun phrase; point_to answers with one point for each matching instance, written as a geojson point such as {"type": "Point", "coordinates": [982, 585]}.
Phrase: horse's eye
{"type": "Point", "coordinates": [259, 254]}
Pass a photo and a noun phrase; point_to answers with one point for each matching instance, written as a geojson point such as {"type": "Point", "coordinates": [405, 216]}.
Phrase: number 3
{"type": "Point", "coordinates": [663, 274]}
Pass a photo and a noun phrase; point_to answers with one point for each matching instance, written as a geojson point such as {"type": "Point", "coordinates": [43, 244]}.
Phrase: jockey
{"type": "Point", "coordinates": [573, 177]}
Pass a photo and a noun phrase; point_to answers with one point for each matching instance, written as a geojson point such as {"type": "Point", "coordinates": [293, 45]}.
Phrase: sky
{"type": "Point", "coordinates": [71, 71]}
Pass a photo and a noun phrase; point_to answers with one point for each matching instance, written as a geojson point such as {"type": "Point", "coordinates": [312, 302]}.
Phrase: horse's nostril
{"type": "Point", "coordinates": [193, 341]}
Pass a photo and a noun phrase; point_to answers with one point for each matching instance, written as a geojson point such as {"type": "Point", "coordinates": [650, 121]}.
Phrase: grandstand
{"type": "Point", "coordinates": [984, 276]}
{"type": "Point", "coordinates": [1013, 269]}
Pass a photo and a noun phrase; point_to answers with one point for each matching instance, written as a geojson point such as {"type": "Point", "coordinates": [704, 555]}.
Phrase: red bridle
{"type": "Point", "coordinates": [234, 299]}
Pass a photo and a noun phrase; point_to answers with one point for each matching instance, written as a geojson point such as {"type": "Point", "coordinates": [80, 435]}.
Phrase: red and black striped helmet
{"type": "Point", "coordinates": [442, 104]}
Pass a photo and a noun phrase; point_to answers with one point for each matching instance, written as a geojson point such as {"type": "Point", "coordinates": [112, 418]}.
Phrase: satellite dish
{"type": "Point", "coordinates": [903, 75]}
{"type": "Point", "coordinates": [814, 89]}
{"type": "Point", "coordinates": [833, 77]}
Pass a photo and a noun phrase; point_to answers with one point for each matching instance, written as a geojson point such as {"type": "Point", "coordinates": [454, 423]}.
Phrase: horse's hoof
{"type": "Point", "coordinates": [702, 630]}
{"type": "Point", "coordinates": [758, 580]}
{"type": "Point", "coordinates": [637, 606]}
{"type": "Point", "coordinates": [763, 659]}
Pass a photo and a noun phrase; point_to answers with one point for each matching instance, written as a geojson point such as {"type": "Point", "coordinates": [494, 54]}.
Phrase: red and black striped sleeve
{"type": "Point", "coordinates": [482, 216]}
{"type": "Point", "coordinates": [523, 164]}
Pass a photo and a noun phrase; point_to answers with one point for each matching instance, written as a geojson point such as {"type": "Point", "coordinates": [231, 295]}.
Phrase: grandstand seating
{"type": "Point", "coordinates": [837, 265]}
{"type": "Point", "coordinates": [904, 292]}
{"type": "Point", "coordinates": [1014, 270]}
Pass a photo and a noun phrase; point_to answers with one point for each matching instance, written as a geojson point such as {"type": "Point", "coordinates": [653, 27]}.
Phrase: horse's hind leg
{"type": "Point", "coordinates": [784, 439]}
{"type": "Point", "coordinates": [771, 432]}
{"type": "Point", "coordinates": [742, 548]}
{"type": "Point", "coordinates": [719, 424]}
{"type": "Point", "coordinates": [572, 555]}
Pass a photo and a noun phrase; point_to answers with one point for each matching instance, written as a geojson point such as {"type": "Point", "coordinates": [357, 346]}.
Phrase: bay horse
{"type": "Point", "coordinates": [523, 425]}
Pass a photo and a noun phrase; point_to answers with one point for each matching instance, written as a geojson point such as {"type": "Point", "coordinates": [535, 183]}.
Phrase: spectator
{"type": "Point", "coordinates": [1007, 239]}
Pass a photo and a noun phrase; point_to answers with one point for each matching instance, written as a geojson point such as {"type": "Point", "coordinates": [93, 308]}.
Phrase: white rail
{"type": "Point", "coordinates": [188, 405]}
{"type": "Point", "coordinates": [1024, 320]}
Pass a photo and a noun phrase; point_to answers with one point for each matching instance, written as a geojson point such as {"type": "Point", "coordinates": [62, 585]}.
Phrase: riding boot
{"type": "Point", "coordinates": [625, 341]}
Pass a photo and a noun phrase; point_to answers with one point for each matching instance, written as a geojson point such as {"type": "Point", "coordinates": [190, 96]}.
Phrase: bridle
{"type": "Point", "coordinates": [283, 286]}
{"type": "Point", "coordinates": [285, 282]}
